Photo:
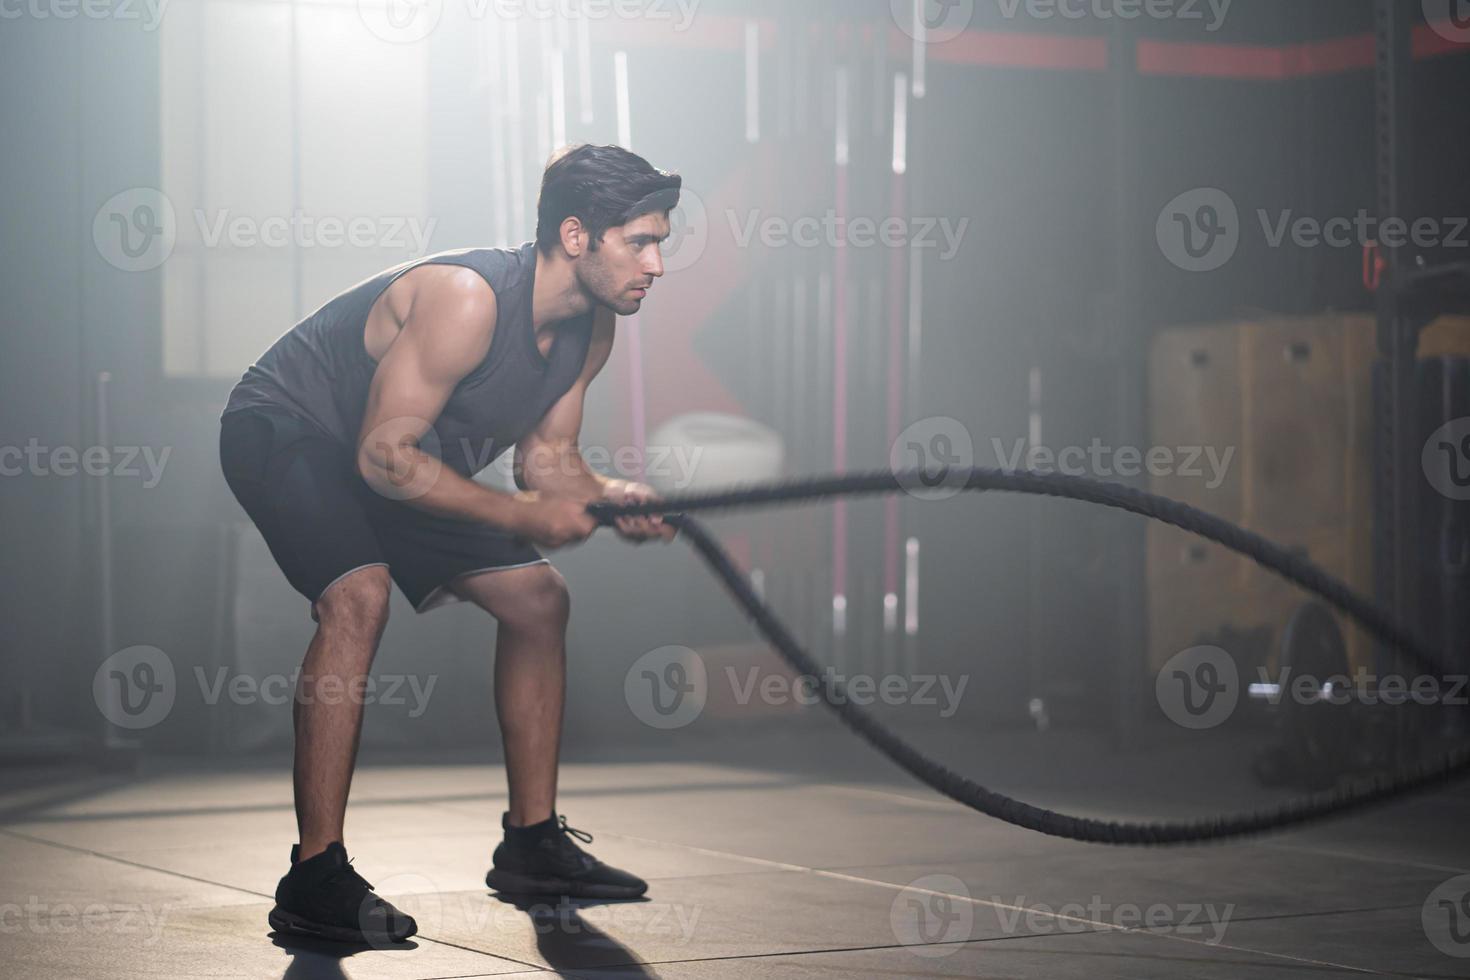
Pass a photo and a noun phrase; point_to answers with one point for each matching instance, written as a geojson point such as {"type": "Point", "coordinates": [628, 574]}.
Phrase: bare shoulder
{"type": "Point", "coordinates": [447, 313]}
{"type": "Point", "coordinates": [441, 288]}
{"type": "Point", "coordinates": [449, 291]}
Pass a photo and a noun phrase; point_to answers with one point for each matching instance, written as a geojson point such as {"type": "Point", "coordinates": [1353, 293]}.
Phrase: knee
{"type": "Point", "coordinates": [357, 603]}
{"type": "Point", "coordinates": [544, 602]}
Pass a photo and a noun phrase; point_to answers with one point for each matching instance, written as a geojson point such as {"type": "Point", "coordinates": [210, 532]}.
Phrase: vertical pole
{"type": "Point", "coordinates": [1130, 419]}
{"type": "Point", "coordinates": [1397, 340]}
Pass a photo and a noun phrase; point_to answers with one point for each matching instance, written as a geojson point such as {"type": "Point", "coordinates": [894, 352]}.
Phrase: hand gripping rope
{"type": "Point", "coordinates": [1289, 566]}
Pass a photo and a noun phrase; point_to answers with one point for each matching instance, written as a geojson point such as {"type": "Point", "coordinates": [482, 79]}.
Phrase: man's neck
{"type": "Point", "coordinates": [556, 296]}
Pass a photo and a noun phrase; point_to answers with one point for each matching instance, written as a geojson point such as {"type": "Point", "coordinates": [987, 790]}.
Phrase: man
{"type": "Point", "coordinates": [351, 444]}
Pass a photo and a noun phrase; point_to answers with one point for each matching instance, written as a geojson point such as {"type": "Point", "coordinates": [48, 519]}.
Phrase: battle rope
{"type": "Point", "coordinates": [1290, 566]}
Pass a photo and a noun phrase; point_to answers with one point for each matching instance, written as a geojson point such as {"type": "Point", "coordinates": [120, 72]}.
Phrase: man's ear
{"type": "Point", "coordinates": [573, 236]}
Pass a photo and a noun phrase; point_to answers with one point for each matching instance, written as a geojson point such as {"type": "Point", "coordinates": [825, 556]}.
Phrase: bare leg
{"type": "Point", "coordinates": [328, 709]}
{"type": "Point", "coordinates": [532, 607]}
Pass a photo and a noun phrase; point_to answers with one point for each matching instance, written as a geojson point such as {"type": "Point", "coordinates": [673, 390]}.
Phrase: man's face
{"type": "Point", "coordinates": [622, 269]}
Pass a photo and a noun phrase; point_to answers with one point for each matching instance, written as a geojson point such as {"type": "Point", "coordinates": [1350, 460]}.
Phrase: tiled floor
{"type": "Point", "coordinates": [756, 870]}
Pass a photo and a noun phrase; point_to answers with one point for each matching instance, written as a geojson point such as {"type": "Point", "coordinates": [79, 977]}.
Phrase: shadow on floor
{"type": "Point", "coordinates": [566, 941]}
{"type": "Point", "coordinates": [321, 959]}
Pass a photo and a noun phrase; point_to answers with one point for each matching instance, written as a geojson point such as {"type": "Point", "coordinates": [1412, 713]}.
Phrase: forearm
{"type": "Point", "coordinates": [559, 471]}
{"type": "Point", "coordinates": [423, 482]}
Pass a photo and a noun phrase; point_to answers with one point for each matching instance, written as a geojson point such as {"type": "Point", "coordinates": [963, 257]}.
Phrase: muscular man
{"type": "Point", "coordinates": [351, 444]}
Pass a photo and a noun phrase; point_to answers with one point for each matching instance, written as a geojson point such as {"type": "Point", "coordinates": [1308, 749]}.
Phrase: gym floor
{"type": "Point", "coordinates": [769, 855]}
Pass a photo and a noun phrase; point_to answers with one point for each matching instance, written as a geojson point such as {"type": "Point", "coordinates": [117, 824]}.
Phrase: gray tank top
{"type": "Point", "coordinates": [320, 370]}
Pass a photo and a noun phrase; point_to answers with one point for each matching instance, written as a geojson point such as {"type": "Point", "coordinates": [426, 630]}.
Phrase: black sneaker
{"type": "Point", "coordinates": [326, 898]}
{"type": "Point", "coordinates": [542, 859]}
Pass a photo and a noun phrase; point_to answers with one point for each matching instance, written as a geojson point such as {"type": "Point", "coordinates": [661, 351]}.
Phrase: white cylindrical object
{"type": "Point", "coordinates": [712, 450]}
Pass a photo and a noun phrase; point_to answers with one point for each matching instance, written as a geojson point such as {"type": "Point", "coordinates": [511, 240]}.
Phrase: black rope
{"type": "Point", "coordinates": [1292, 567]}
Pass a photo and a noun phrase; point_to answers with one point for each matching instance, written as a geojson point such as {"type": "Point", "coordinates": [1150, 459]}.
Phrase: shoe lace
{"type": "Point", "coordinates": [349, 876]}
{"type": "Point", "coordinates": [581, 835]}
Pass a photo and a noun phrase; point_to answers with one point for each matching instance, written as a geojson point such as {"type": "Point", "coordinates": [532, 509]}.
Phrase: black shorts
{"type": "Point", "coordinates": [322, 521]}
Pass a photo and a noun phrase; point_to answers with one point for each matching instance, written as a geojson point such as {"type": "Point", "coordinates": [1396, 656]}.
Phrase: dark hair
{"type": "Point", "coordinates": [604, 186]}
